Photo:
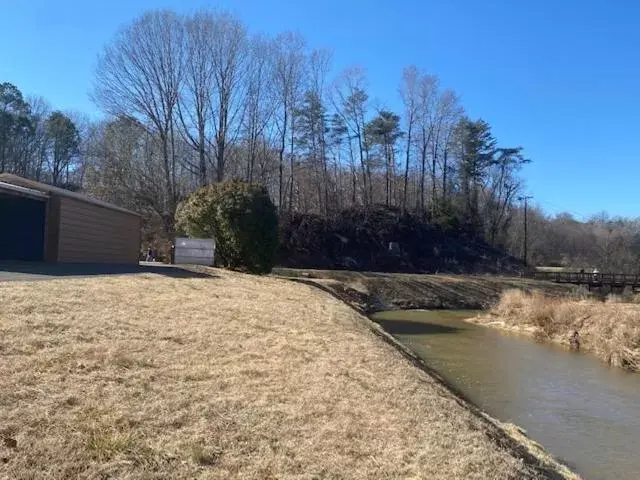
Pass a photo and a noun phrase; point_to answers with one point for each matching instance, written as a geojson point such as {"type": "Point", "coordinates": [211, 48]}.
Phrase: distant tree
{"type": "Point", "coordinates": [477, 147]}
{"type": "Point", "coordinates": [384, 131]}
{"type": "Point", "coordinates": [427, 101]}
{"type": "Point", "coordinates": [311, 129]}
{"type": "Point", "coordinates": [195, 105]}
{"type": "Point", "coordinates": [229, 49]}
{"type": "Point", "coordinates": [15, 128]}
{"type": "Point", "coordinates": [613, 244]}
{"type": "Point", "coordinates": [122, 169]}
{"type": "Point", "coordinates": [319, 63]}
{"type": "Point", "coordinates": [260, 103]}
{"type": "Point", "coordinates": [446, 116]}
{"type": "Point", "coordinates": [338, 138]}
{"type": "Point", "coordinates": [501, 189]}
{"type": "Point", "coordinates": [36, 163]}
{"type": "Point", "coordinates": [289, 58]}
{"type": "Point", "coordinates": [63, 142]}
{"type": "Point", "coordinates": [409, 90]}
{"type": "Point", "coordinates": [351, 103]}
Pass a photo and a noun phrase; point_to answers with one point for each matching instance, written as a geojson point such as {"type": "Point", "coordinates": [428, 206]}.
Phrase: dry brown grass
{"type": "Point", "coordinates": [610, 330]}
{"type": "Point", "coordinates": [226, 377]}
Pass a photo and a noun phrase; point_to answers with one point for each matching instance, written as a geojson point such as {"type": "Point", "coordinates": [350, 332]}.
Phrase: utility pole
{"type": "Point", "coordinates": [526, 199]}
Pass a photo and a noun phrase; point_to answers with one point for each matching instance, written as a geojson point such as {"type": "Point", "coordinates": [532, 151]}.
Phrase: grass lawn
{"type": "Point", "coordinates": [232, 376]}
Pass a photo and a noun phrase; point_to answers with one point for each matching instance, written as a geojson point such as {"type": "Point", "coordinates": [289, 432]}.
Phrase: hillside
{"type": "Point", "coordinates": [386, 240]}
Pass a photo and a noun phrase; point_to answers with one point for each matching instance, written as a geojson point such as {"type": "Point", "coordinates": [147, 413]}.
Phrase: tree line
{"type": "Point", "coordinates": [36, 142]}
{"type": "Point", "coordinates": [196, 99]}
{"type": "Point", "coordinates": [603, 242]}
{"type": "Point", "coordinates": [191, 100]}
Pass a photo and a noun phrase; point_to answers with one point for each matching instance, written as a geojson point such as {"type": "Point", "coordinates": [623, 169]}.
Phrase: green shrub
{"type": "Point", "coordinates": [242, 219]}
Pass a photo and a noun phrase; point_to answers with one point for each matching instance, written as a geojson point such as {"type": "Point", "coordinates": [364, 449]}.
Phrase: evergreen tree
{"type": "Point", "coordinates": [384, 131]}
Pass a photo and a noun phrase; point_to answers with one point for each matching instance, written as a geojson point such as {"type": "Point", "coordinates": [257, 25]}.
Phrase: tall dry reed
{"type": "Point", "coordinates": [610, 329]}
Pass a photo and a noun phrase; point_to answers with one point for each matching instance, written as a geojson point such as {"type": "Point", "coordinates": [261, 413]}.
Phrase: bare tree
{"type": "Point", "coordinates": [613, 240]}
{"type": "Point", "coordinates": [410, 99]}
{"type": "Point", "coordinates": [452, 112]}
{"type": "Point", "coordinates": [447, 113]}
{"type": "Point", "coordinates": [289, 69]}
{"type": "Point", "coordinates": [501, 188]}
{"type": "Point", "coordinates": [351, 102]}
{"type": "Point", "coordinates": [115, 149]}
{"type": "Point", "coordinates": [427, 99]}
{"type": "Point", "coordinates": [228, 48]}
{"type": "Point", "coordinates": [75, 171]}
{"type": "Point", "coordinates": [194, 108]}
{"type": "Point", "coordinates": [140, 74]}
{"type": "Point", "coordinates": [63, 142]}
{"type": "Point", "coordinates": [260, 100]}
{"type": "Point", "coordinates": [339, 137]}
{"type": "Point", "coordinates": [319, 65]}
{"type": "Point", "coordinates": [40, 111]}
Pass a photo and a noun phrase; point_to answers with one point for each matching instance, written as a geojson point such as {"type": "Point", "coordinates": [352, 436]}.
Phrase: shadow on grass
{"type": "Point", "coordinates": [406, 327]}
{"type": "Point", "coordinates": [38, 270]}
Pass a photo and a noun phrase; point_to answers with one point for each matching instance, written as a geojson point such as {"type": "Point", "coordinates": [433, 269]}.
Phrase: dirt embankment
{"type": "Point", "coordinates": [228, 376]}
{"type": "Point", "coordinates": [374, 292]}
{"type": "Point", "coordinates": [609, 330]}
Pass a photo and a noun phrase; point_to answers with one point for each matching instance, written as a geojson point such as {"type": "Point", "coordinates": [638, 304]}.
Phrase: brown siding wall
{"type": "Point", "coordinates": [52, 230]}
{"type": "Point", "coordinates": [91, 233]}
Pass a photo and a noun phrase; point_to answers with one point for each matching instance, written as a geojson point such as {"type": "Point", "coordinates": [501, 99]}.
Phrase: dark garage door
{"type": "Point", "coordinates": [21, 228]}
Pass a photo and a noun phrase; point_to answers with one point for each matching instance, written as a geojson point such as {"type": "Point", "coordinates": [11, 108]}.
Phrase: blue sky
{"type": "Point", "coordinates": [560, 78]}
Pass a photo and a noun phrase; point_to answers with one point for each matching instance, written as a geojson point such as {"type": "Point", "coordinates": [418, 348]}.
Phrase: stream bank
{"type": "Point", "coordinates": [367, 293]}
{"type": "Point", "coordinates": [371, 292]}
{"type": "Point", "coordinates": [609, 330]}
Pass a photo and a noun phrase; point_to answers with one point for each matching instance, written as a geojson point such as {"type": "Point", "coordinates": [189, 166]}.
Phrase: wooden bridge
{"type": "Point", "coordinates": [597, 280]}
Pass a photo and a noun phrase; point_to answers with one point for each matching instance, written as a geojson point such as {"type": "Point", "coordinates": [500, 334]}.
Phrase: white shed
{"type": "Point", "coordinates": [194, 251]}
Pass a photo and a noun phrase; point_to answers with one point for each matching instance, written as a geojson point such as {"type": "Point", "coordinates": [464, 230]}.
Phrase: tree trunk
{"type": "Point", "coordinates": [423, 168]}
{"type": "Point", "coordinates": [283, 146]}
{"type": "Point", "coordinates": [323, 157]}
{"type": "Point", "coordinates": [434, 191]}
{"type": "Point", "coordinates": [292, 162]}
{"type": "Point", "coordinates": [365, 169]}
{"type": "Point", "coordinates": [170, 207]}
{"type": "Point", "coordinates": [221, 138]}
{"type": "Point", "coordinates": [387, 174]}
{"type": "Point", "coordinates": [406, 169]}
{"type": "Point", "coordinates": [202, 155]}
{"type": "Point", "coordinates": [368, 170]}
{"type": "Point", "coordinates": [444, 174]}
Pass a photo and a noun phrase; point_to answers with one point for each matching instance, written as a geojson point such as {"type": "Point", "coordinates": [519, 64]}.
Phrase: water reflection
{"type": "Point", "coordinates": [576, 406]}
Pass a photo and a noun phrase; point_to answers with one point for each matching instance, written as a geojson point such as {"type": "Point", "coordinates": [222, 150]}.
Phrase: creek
{"type": "Point", "coordinates": [581, 410]}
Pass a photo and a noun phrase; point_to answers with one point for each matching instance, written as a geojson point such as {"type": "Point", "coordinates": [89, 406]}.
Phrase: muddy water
{"type": "Point", "coordinates": [582, 411]}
